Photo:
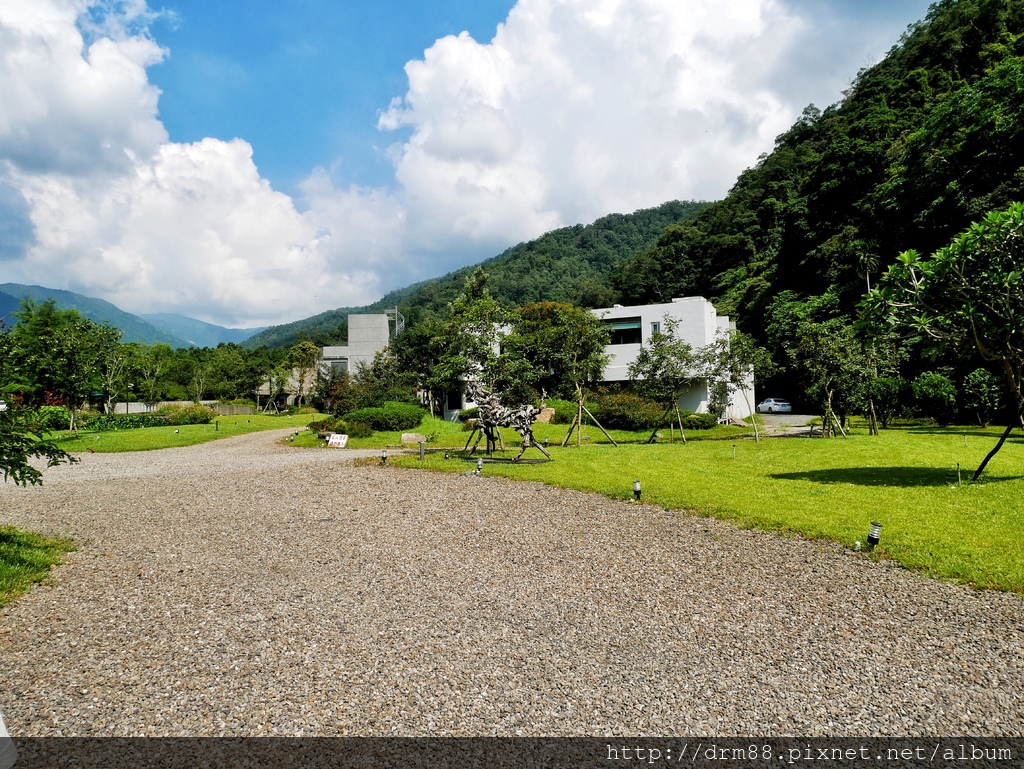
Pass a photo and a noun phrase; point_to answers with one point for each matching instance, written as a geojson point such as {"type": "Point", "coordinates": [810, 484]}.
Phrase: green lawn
{"type": "Point", "coordinates": [26, 558]}
{"type": "Point", "coordinates": [906, 479]}
{"type": "Point", "coordinates": [150, 438]}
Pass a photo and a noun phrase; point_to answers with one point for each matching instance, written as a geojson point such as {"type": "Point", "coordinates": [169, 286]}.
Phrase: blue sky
{"type": "Point", "coordinates": [258, 162]}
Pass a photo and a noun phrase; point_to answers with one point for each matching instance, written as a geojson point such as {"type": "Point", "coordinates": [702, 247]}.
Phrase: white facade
{"type": "Point", "coordinates": [699, 323]}
{"type": "Point", "coordinates": [367, 336]}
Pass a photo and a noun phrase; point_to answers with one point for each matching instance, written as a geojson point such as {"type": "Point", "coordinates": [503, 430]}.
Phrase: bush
{"type": "Point", "coordinates": [471, 413]}
{"type": "Point", "coordinates": [983, 396]}
{"type": "Point", "coordinates": [391, 417]}
{"type": "Point", "coordinates": [355, 429]}
{"type": "Point", "coordinates": [52, 418]}
{"type": "Point", "coordinates": [693, 421]}
{"type": "Point", "coordinates": [625, 411]}
{"type": "Point", "coordinates": [565, 411]}
{"type": "Point", "coordinates": [187, 415]}
{"type": "Point", "coordinates": [935, 397]}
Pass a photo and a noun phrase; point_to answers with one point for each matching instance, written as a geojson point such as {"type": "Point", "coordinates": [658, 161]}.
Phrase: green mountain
{"type": "Point", "coordinates": [196, 332]}
{"type": "Point", "coordinates": [175, 330]}
{"type": "Point", "coordinates": [924, 142]}
{"type": "Point", "coordinates": [571, 264]}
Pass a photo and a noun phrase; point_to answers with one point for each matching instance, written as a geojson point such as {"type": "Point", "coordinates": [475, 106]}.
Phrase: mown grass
{"type": "Point", "coordinates": [151, 438]}
{"type": "Point", "coordinates": [25, 559]}
{"type": "Point", "coordinates": [906, 479]}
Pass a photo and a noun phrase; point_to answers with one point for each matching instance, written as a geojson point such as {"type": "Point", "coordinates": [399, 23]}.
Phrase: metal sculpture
{"type": "Point", "coordinates": [491, 415]}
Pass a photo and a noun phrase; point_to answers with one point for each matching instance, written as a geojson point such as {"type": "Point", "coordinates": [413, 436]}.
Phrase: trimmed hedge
{"type": "Point", "coordinates": [390, 417]}
{"type": "Point", "coordinates": [625, 411]}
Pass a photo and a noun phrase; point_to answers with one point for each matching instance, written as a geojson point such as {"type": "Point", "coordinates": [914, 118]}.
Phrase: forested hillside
{"type": "Point", "coordinates": [925, 142]}
{"type": "Point", "coordinates": [571, 264]}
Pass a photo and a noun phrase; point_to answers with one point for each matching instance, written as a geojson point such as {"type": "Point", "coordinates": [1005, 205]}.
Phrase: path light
{"type": "Point", "coordinates": [446, 455]}
{"type": "Point", "coordinates": [636, 490]}
{"type": "Point", "coordinates": [546, 442]}
{"type": "Point", "coordinates": [383, 456]}
{"type": "Point", "coordinates": [479, 465]}
{"type": "Point", "coordinates": [873, 536]}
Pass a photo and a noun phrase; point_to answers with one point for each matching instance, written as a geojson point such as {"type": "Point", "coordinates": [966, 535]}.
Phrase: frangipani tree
{"type": "Point", "coordinates": [967, 295]}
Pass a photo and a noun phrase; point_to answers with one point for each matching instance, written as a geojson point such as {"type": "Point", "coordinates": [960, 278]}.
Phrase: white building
{"type": "Point", "coordinates": [367, 336]}
{"type": "Point", "coordinates": [699, 323]}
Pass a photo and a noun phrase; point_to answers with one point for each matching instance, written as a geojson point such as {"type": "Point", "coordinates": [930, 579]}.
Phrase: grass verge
{"type": "Point", "coordinates": [906, 479]}
{"type": "Point", "coordinates": [25, 559]}
{"type": "Point", "coordinates": [151, 438]}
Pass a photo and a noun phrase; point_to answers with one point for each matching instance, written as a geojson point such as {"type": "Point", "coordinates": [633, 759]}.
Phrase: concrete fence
{"type": "Point", "coordinates": [222, 409]}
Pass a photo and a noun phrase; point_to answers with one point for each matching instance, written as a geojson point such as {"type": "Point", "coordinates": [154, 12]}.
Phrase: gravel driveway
{"type": "Point", "coordinates": [243, 587]}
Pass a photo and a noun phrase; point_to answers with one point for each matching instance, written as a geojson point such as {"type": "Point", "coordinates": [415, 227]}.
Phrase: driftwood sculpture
{"type": "Point", "coordinates": [491, 415]}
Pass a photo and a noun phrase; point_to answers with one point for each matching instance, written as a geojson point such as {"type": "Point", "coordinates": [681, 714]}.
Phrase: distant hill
{"type": "Point", "coordinates": [175, 330]}
{"type": "Point", "coordinates": [570, 264]}
{"type": "Point", "coordinates": [198, 333]}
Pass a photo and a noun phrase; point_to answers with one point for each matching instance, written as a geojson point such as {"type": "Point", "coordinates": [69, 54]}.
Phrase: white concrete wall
{"type": "Point", "coordinates": [367, 336]}
{"type": "Point", "coordinates": [698, 324]}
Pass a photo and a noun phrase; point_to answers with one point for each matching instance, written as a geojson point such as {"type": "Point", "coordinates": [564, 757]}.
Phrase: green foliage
{"type": "Point", "coordinates": [49, 418]}
{"type": "Point", "coordinates": [889, 394]}
{"type": "Point", "coordinates": [467, 414]}
{"type": "Point", "coordinates": [625, 411]}
{"type": "Point", "coordinates": [934, 397]}
{"type": "Point", "coordinates": [983, 396]}
{"type": "Point", "coordinates": [187, 415]}
{"type": "Point", "coordinates": [21, 441]}
{"type": "Point", "coordinates": [692, 421]}
{"type": "Point", "coordinates": [565, 411]}
{"type": "Point", "coordinates": [665, 366]}
{"type": "Point", "coordinates": [390, 416]}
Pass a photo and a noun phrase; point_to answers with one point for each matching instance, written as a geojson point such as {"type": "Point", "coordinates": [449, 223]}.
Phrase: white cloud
{"type": "Point", "coordinates": [575, 109]}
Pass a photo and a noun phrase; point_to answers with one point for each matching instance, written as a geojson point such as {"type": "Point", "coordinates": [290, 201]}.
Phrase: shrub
{"type": "Point", "coordinates": [625, 411]}
{"type": "Point", "coordinates": [935, 397]}
{"type": "Point", "coordinates": [565, 411]}
{"type": "Point", "coordinates": [187, 415]}
{"type": "Point", "coordinates": [355, 429]}
{"type": "Point", "coordinates": [52, 418]}
{"type": "Point", "coordinates": [390, 417]}
{"type": "Point", "coordinates": [983, 396]}
{"type": "Point", "coordinates": [471, 413]}
{"type": "Point", "coordinates": [693, 421]}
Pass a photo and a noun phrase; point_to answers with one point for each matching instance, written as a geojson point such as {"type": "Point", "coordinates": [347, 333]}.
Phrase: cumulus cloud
{"type": "Point", "coordinates": [576, 108]}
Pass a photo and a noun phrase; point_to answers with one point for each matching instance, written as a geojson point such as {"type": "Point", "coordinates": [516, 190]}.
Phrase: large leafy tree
{"type": "Point", "coordinates": [966, 297]}
{"type": "Point", "coordinates": [57, 355]}
{"type": "Point", "coordinates": [21, 442]}
{"type": "Point", "coordinates": [467, 339]}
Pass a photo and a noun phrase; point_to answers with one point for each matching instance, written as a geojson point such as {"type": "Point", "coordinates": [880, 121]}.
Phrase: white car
{"type": "Point", "coordinates": [3, 405]}
{"type": "Point", "coordinates": [774, 406]}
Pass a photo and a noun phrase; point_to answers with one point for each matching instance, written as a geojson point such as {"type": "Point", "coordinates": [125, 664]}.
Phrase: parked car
{"type": "Point", "coordinates": [774, 406]}
{"type": "Point", "coordinates": [3, 405]}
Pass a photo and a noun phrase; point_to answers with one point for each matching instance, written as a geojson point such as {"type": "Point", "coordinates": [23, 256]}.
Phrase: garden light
{"type": "Point", "coordinates": [636, 490]}
{"type": "Point", "coordinates": [873, 536]}
{"type": "Point", "coordinates": [479, 465]}
{"type": "Point", "coordinates": [383, 456]}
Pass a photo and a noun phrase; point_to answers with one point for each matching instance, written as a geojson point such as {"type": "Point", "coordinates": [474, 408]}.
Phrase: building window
{"type": "Point", "coordinates": [625, 331]}
{"type": "Point", "coordinates": [655, 327]}
{"type": "Point", "coordinates": [340, 365]}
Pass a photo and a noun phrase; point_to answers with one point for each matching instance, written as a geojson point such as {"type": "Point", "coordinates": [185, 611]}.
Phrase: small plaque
{"type": "Point", "coordinates": [337, 441]}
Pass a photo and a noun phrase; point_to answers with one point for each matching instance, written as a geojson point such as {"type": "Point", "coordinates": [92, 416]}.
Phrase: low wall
{"type": "Point", "coordinates": [222, 409]}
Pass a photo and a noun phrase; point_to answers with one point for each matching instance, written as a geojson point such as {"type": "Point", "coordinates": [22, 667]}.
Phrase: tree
{"type": "Point", "coordinates": [303, 358]}
{"type": "Point", "coordinates": [730, 364]}
{"type": "Point", "coordinates": [467, 340]}
{"type": "Point", "coordinates": [21, 442]}
{"type": "Point", "coordinates": [835, 367]}
{"type": "Point", "coordinates": [663, 369]}
{"type": "Point", "coordinates": [58, 354]}
{"type": "Point", "coordinates": [966, 297]}
{"type": "Point", "coordinates": [983, 395]}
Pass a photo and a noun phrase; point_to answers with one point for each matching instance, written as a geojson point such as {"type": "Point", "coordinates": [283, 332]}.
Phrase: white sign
{"type": "Point", "coordinates": [337, 441]}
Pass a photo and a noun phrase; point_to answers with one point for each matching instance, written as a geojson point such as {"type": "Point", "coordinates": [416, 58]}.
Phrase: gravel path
{"type": "Point", "coordinates": [243, 587]}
